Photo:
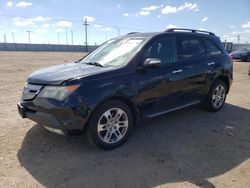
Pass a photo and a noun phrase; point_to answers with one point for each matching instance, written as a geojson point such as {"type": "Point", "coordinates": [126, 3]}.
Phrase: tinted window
{"type": "Point", "coordinates": [163, 49]}
{"type": "Point", "coordinates": [190, 48]}
{"type": "Point", "coordinates": [212, 49]}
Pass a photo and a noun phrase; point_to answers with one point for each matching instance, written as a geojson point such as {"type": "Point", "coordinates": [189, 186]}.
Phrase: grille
{"type": "Point", "coordinates": [30, 91]}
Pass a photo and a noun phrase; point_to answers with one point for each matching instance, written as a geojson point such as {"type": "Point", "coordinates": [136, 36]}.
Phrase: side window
{"type": "Point", "coordinates": [212, 49]}
{"type": "Point", "coordinates": [163, 49]}
{"type": "Point", "coordinates": [190, 48]}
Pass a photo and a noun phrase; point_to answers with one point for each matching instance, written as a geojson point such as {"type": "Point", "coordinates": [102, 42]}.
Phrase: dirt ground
{"type": "Point", "coordinates": [187, 148]}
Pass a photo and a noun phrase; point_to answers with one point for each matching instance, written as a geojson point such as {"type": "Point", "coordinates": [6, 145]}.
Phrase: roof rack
{"type": "Point", "coordinates": [131, 33]}
{"type": "Point", "coordinates": [189, 30]}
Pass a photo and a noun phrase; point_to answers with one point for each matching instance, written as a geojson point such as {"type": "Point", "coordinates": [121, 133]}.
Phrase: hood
{"type": "Point", "coordinates": [56, 75]}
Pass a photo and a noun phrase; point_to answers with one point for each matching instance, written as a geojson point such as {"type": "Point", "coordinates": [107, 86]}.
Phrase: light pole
{"type": "Point", "coordinates": [58, 37]}
{"type": "Point", "coordinates": [29, 35]}
{"type": "Point", "coordinates": [66, 32]}
{"type": "Point", "coordinates": [86, 33]}
{"type": "Point", "coordinates": [72, 37]}
{"type": "Point", "coordinates": [4, 38]}
{"type": "Point", "coordinates": [118, 30]}
{"type": "Point", "coordinates": [13, 37]}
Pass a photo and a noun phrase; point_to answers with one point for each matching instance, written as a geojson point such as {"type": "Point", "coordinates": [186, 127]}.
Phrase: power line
{"type": "Point", "coordinates": [79, 21]}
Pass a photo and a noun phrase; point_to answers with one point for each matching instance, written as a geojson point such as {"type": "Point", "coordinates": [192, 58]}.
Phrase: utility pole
{"type": "Point", "coordinates": [4, 38]}
{"type": "Point", "coordinates": [238, 39]}
{"type": "Point", "coordinates": [106, 36]}
{"type": "Point", "coordinates": [58, 37]}
{"type": "Point", "coordinates": [72, 37]}
{"type": "Point", "coordinates": [66, 32]}
{"type": "Point", "coordinates": [29, 35]}
{"type": "Point", "coordinates": [13, 37]}
{"type": "Point", "coordinates": [118, 30]}
{"type": "Point", "coordinates": [86, 34]}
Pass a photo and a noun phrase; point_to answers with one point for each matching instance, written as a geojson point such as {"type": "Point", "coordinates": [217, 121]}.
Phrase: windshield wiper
{"type": "Point", "coordinates": [94, 63]}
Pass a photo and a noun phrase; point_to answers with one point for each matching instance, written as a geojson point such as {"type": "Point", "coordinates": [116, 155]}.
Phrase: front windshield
{"type": "Point", "coordinates": [116, 52]}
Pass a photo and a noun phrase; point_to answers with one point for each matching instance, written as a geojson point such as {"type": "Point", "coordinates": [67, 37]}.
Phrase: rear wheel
{"type": "Point", "coordinates": [248, 58]}
{"type": "Point", "coordinates": [110, 125]}
{"type": "Point", "coordinates": [216, 96]}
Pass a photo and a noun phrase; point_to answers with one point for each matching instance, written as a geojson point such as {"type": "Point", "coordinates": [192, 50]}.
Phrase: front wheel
{"type": "Point", "coordinates": [110, 125]}
{"type": "Point", "coordinates": [216, 96]}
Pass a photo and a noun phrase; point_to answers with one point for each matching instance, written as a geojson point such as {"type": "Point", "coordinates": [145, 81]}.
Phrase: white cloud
{"type": "Point", "coordinates": [202, 29]}
{"type": "Point", "coordinates": [38, 19]}
{"type": "Point", "coordinates": [247, 31]}
{"type": "Point", "coordinates": [23, 4]}
{"type": "Point", "coordinates": [89, 18]}
{"type": "Point", "coordinates": [246, 25]}
{"type": "Point", "coordinates": [18, 21]}
{"type": "Point", "coordinates": [169, 26]}
{"type": "Point", "coordinates": [118, 5]}
{"type": "Point", "coordinates": [126, 14]}
{"type": "Point", "coordinates": [107, 29]}
{"type": "Point", "coordinates": [188, 6]}
{"type": "Point", "coordinates": [9, 4]}
{"type": "Point", "coordinates": [144, 13]}
{"type": "Point", "coordinates": [45, 25]}
{"type": "Point", "coordinates": [236, 33]}
{"type": "Point", "coordinates": [168, 9]}
{"type": "Point", "coordinates": [59, 30]}
{"type": "Point", "coordinates": [64, 24]}
{"type": "Point", "coordinates": [232, 26]}
{"type": "Point", "coordinates": [204, 19]}
{"type": "Point", "coordinates": [42, 30]}
{"type": "Point", "coordinates": [97, 25]}
{"type": "Point", "coordinates": [151, 8]}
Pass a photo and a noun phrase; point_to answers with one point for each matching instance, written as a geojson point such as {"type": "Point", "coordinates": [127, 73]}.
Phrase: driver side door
{"type": "Point", "coordinates": [160, 88]}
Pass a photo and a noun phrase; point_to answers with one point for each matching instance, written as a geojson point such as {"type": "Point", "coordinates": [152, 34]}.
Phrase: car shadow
{"type": "Point", "coordinates": [188, 145]}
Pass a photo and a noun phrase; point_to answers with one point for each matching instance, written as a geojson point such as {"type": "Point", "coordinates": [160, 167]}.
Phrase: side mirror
{"type": "Point", "coordinates": [152, 63]}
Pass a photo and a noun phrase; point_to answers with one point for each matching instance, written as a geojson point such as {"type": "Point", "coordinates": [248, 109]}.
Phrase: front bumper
{"type": "Point", "coordinates": [60, 121]}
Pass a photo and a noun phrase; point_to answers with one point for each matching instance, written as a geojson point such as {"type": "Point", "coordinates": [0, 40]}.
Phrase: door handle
{"type": "Point", "coordinates": [177, 71]}
{"type": "Point", "coordinates": [211, 63]}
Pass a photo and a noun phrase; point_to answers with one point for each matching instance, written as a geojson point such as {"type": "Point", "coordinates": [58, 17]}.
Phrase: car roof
{"type": "Point", "coordinates": [174, 31]}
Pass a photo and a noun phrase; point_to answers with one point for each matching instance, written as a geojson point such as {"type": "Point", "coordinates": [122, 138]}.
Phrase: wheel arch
{"type": "Point", "coordinates": [132, 106]}
{"type": "Point", "coordinates": [225, 79]}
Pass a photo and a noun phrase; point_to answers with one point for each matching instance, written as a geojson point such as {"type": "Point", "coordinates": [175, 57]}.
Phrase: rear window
{"type": "Point", "coordinates": [190, 48]}
{"type": "Point", "coordinates": [212, 49]}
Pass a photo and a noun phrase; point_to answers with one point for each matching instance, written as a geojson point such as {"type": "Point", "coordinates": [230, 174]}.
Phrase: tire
{"type": "Point", "coordinates": [216, 97]}
{"type": "Point", "coordinates": [248, 58]}
{"type": "Point", "coordinates": [106, 130]}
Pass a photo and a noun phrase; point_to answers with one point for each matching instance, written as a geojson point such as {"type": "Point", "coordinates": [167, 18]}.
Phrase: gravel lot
{"type": "Point", "coordinates": [187, 148]}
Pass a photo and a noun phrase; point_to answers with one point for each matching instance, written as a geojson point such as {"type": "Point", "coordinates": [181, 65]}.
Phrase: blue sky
{"type": "Point", "coordinates": [48, 20]}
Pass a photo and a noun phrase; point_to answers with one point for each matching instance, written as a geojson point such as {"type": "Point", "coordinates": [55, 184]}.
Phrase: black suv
{"type": "Point", "coordinates": [129, 78]}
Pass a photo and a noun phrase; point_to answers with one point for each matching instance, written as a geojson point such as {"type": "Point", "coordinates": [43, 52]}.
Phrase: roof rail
{"type": "Point", "coordinates": [131, 33]}
{"type": "Point", "coordinates": [189, 30]}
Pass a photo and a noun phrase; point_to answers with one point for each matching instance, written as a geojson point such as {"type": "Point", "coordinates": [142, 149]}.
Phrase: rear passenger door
{"type": "Point", "coordinates": [195, 65]}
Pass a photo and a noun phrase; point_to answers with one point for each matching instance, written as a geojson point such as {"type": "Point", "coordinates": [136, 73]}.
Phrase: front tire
{"type": "Point", "coordinates": [216, 97]}
{"type": "Point", "coordinates": [110, 125]}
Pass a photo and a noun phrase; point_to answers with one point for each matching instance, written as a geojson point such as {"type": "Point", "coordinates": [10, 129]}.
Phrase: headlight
{"type": "Point", "coordinates": [57, 92]}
